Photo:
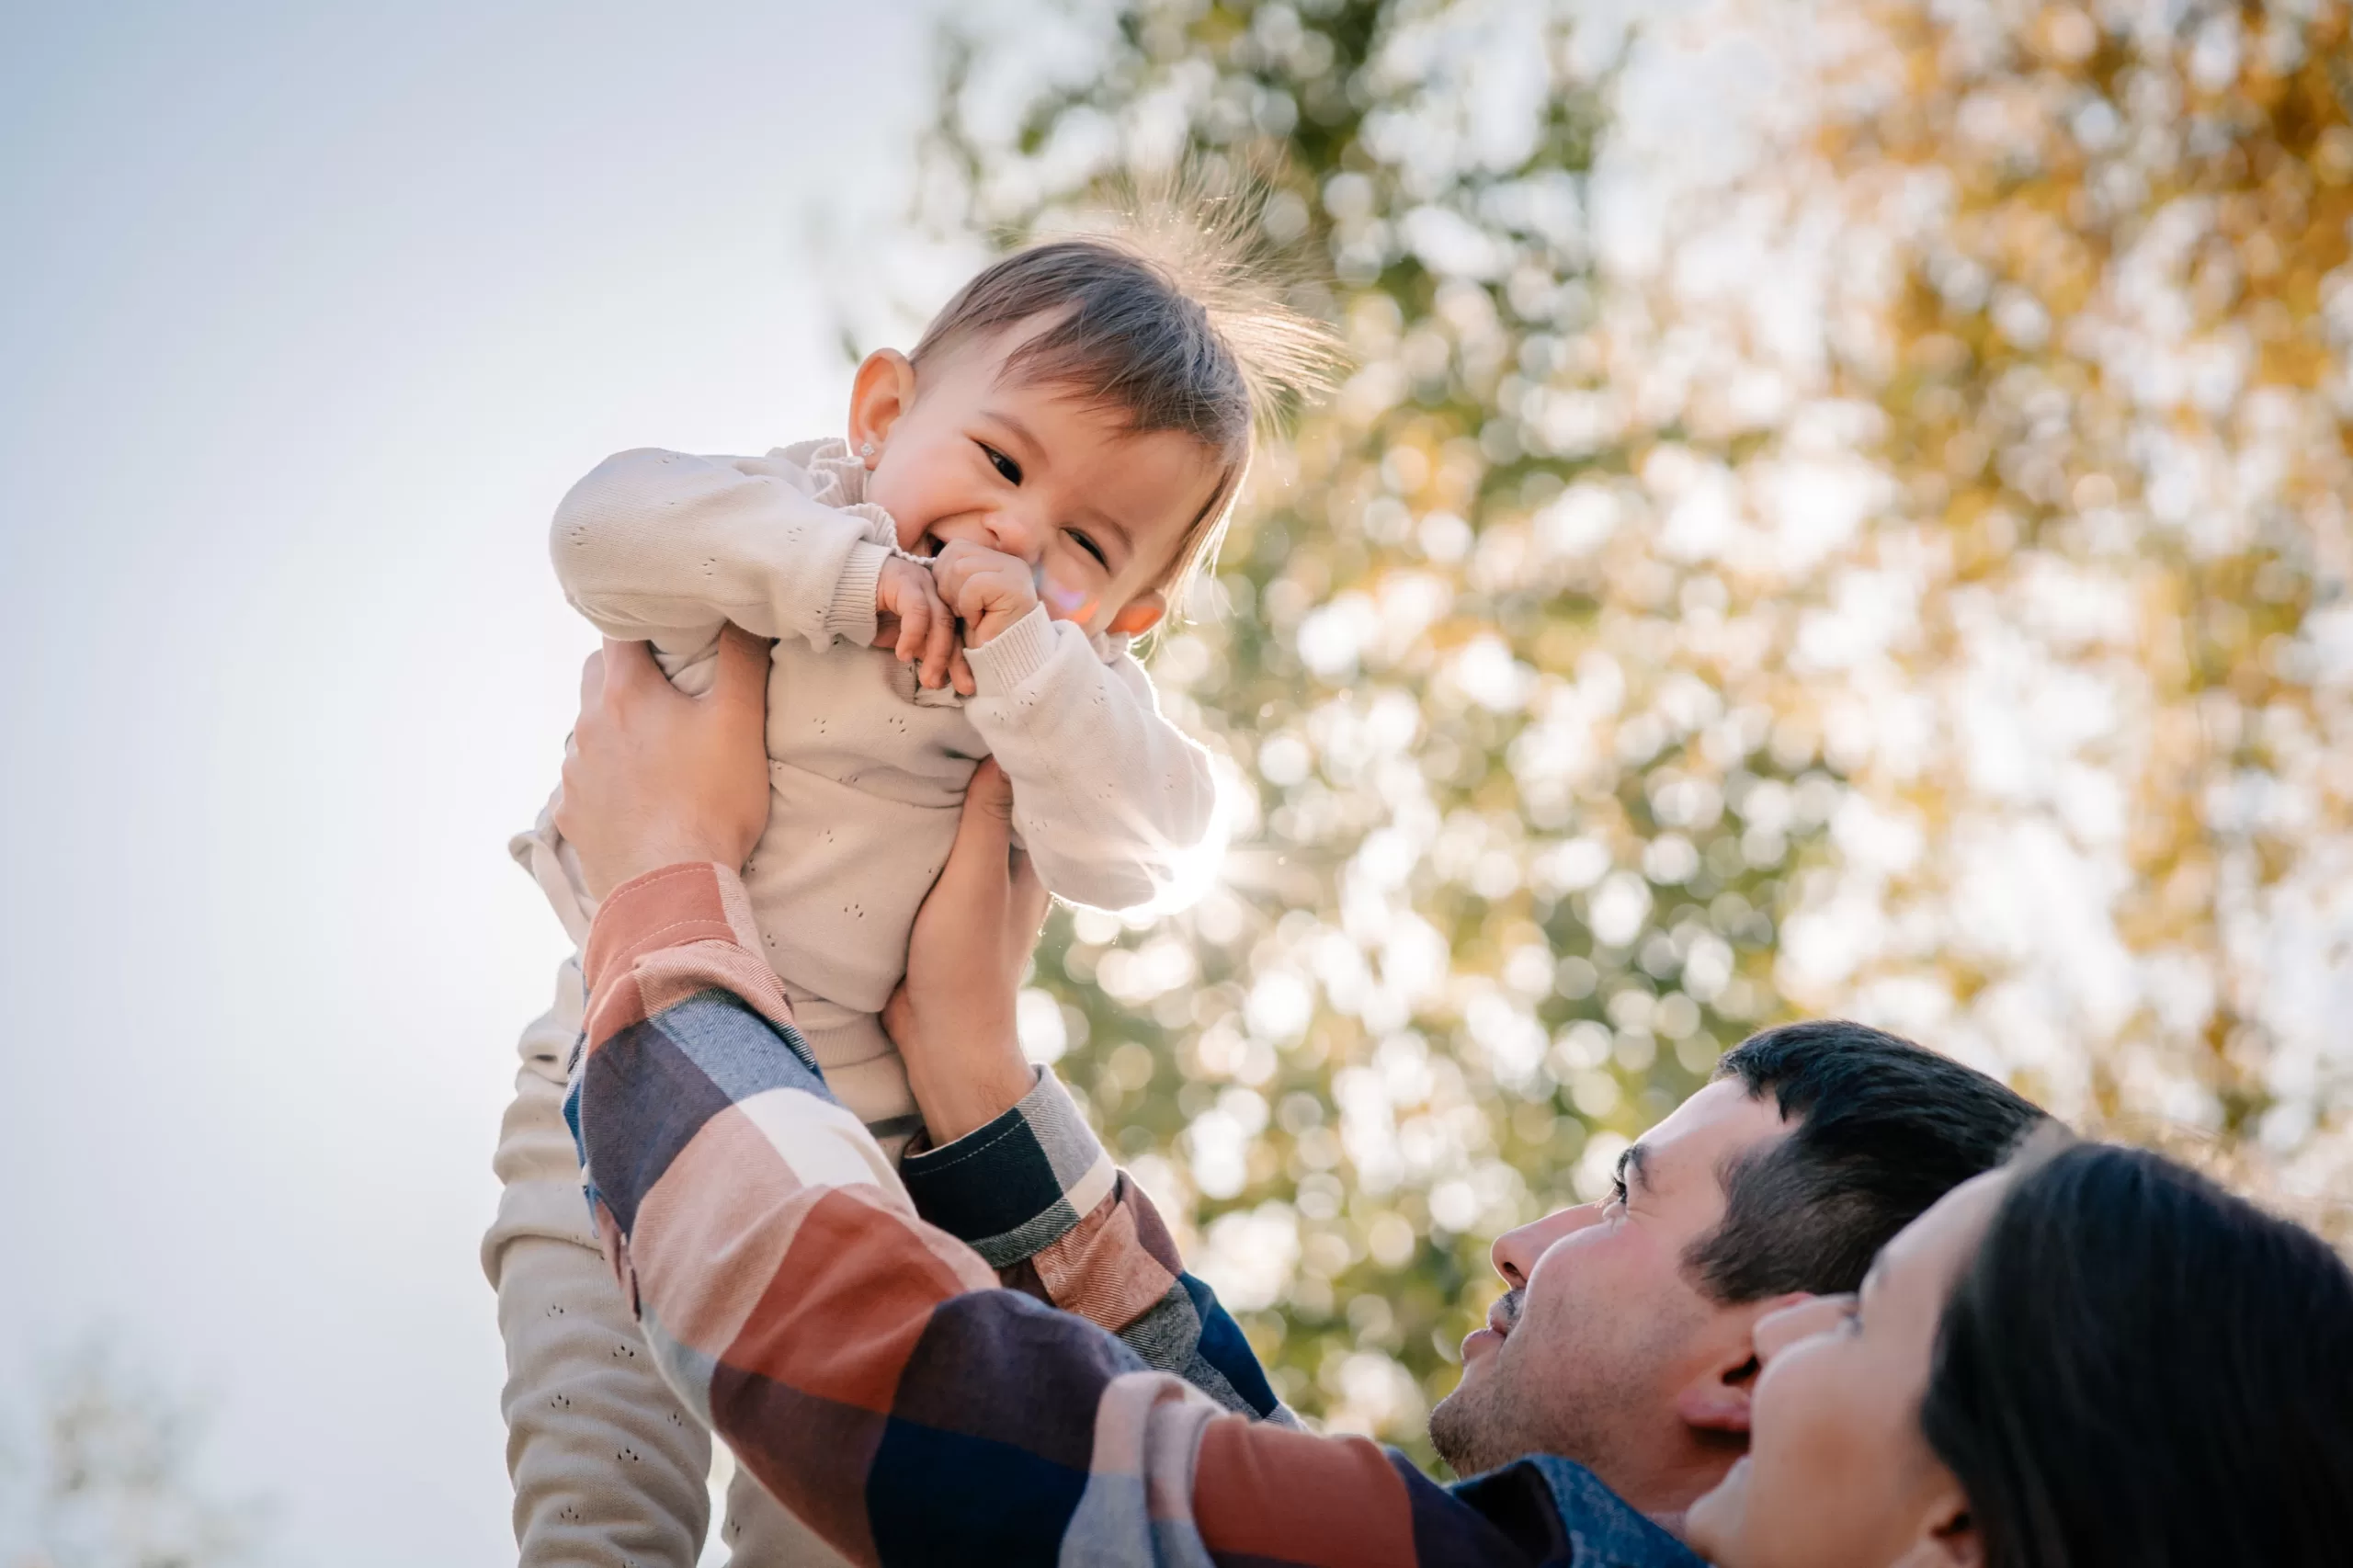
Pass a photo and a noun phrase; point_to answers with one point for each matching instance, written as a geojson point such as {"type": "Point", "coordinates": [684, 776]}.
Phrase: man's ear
{"type": "Point", "coordinates": [1713, 1405]}
{"type": "Point", "coordinates": [1717, 1399]}
{"type": "Point", "coordinates": [1142, 614]}
{"type": "Point", "coordinates": [882, 392]}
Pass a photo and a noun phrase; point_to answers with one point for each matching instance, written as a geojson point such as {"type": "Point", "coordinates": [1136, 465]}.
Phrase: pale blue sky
{"type": "Point", "coordinates": [308, 315]}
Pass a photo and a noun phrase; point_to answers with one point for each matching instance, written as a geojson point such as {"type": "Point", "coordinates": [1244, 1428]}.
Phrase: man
{"type": "Point", "coordinates": [862, 1362]}
{"type": "Point", "coordinates": [1624, 1339]}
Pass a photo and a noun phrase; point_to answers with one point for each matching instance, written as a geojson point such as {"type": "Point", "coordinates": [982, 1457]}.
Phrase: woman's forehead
{"type": "Point", "coordinates": [1925, 1258]}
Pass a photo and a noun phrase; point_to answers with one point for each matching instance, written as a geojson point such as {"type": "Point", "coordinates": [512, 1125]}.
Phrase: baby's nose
{"type": "Point", "coordinates": [1020, 533]}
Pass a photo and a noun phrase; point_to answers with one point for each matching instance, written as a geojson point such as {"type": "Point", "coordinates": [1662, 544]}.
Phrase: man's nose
{"type": "Point", "coordinates": [1516, 1252]}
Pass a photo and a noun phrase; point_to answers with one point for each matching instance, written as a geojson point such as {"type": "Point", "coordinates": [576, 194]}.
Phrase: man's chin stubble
{"type": "Point", "coordinates": [1460, 1422]}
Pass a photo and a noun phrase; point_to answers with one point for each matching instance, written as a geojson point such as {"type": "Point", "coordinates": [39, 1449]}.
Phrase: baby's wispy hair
{"type": "Point", "coordinates": [1174, 315]}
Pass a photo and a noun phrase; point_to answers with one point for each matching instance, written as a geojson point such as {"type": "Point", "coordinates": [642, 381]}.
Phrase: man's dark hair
{"type": "Point", "coordinates": [1883, 1129]}
{"type": "Point", "coordinates": [2138, 1369]}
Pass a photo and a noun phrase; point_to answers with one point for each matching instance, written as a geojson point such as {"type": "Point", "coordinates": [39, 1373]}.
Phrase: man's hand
{"type": "Point", "coordinates": [654, 778]}
{"type": "Point", "coordinates": [914, 621]}
{"type": "Point", "coordinates": [987, 589]}
{"type": "Point", "coordinates": [952, 1017]}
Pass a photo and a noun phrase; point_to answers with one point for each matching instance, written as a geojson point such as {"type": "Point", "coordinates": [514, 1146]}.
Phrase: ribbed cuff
{"type": "Point", "coordinates": [1014, 654]}
{"type": "Point", "coordinates": [850, 615]}
{"type": "Point", "coordinates": [1015, 1187]}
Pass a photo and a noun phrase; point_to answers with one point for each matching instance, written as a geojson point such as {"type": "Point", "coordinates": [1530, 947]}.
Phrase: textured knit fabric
{"type": "Point", "coordinates": [871, 1370]}
{"type": "Point", "coordinates": [1111, 799]}
{"type": "Point", "coordinates": [609, 1469]}
{"type": "Point", "coordinates": [868, 775]}
{"type": "Point", "coordinates": [867, 770]}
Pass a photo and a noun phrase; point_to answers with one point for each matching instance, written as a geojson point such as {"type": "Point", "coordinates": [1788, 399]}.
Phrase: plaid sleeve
{"type": "Point", "coordinates": [864, 1364]}
{"type": "Point", "coordinates": [1035, 1193]}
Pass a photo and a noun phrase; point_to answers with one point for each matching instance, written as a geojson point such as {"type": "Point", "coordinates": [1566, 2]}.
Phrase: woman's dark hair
{"type": "Point", "coordinates": [2138, 1369]}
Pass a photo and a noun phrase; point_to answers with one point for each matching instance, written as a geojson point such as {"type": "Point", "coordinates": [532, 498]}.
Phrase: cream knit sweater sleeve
{"type": "Point", "coordinates": [1112, 800]}
{"type": "Point", "coordinates": [665, 547]}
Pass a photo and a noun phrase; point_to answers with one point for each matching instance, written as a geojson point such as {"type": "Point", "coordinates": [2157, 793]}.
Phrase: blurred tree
{"type": "Point", "coordinates": [1523, 792]}
{"type": "Point", "coordinates": [2077, 309]}
{"type": "Point", "coordinates": [109, 1480]}
{"type": "Point", "coordinates": [1887, 561]}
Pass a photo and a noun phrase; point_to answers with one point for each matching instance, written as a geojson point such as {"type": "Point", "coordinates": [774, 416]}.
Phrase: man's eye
{"type": "Point", "coordinates": [1005, 465]}
{"type": "Point", "coordinates": [1618, 1193]}
{"type": "Point", "coordinates": [1091, 547]}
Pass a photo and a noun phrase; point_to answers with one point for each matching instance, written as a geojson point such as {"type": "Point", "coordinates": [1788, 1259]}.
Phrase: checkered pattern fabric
{"type": "Point", "coordinates": [871, 1370]}
{"type": "Point", "coordinates": [1035, 1193]}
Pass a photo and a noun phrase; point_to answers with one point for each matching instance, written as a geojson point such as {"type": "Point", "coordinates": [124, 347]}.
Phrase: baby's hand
{"type": "Point", "coordinates": [988, 589]}
{"type": "Point", "coordinates": [912, 619]}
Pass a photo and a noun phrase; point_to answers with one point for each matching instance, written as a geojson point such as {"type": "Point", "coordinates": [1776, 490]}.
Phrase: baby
{"type": "Point", "coordinates": [1018, 499]}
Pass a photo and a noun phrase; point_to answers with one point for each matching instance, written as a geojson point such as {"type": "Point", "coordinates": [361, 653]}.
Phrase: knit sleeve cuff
{"type": "Point", "coordinates": [1014, 654]}
{"type": "Point", "coordinates": [1016, 1186]}
{"type": "Point", "coordinates": [850, 614]}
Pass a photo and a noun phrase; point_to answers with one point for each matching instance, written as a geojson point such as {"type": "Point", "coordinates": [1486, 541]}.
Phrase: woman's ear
{"type": "Point", "coordinates": [1142, 614]}
{"type": "Point", "coordinates": [1948, 1537]}
{"type": "Point", "coordinates": [882, 392]}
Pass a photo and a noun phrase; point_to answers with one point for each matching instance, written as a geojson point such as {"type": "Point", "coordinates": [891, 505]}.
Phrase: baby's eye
{"type": "Point", "coordinates": [1003, 465]}
{"type": "Point", "coordinates": [1091, 547]}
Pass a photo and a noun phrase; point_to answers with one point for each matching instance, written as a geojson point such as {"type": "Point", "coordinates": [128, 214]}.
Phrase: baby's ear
{"type": "Point", "coordinates": [884, 390]}
{"type": "Point", "coordinates": [1142, 614]}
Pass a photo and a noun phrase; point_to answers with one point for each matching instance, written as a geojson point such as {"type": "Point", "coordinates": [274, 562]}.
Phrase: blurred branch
{"type": "Point", "coordinates": [111, 1479]}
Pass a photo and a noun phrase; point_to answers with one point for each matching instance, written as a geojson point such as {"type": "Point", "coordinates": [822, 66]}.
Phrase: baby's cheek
{"type": "Point", "coordinates": [1064, 602]}
{"type": "Point", "coordinates": [900, 492]}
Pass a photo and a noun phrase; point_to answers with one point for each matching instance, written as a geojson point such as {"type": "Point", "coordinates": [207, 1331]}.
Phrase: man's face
{"type": "Point", "coordinates": [1604, 1350]}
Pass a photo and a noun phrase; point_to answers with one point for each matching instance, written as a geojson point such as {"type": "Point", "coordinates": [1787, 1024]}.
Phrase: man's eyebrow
{"type": "Point", "coordinates": [1634, 1166]}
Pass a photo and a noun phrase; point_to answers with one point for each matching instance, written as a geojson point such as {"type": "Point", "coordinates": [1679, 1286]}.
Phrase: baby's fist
{"type": "Point", "coordinates": [987, 589]}
{"type": "Point", "coordinates": [910, 619]}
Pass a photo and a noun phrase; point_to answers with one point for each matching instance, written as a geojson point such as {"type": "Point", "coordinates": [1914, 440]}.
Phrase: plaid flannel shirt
{"type": "Point", "coordinates": [871, 1370]}
{"type": "Point", "coordinates": [1036, 1195]}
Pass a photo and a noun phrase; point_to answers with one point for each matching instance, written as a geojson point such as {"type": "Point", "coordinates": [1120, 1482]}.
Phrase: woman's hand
{"type": "Point", "coordinates": [654, 778]}
{"type": "Point", "coordinates": [952, 1017]}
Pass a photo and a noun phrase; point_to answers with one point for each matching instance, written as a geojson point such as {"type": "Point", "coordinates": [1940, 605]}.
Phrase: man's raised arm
{"type": "Point", "coordinates": [863, 1364]}
{"type": "Point", "coordinates": [1013, 1169]}
{"type": "Point", "coordinates": [1035, 1193]}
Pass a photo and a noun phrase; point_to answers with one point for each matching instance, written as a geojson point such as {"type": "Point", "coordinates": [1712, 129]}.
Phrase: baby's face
{"type": "Point", "coordinates": [1023, 468]}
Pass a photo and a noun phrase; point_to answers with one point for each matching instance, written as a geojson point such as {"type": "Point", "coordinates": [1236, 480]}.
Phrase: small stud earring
{"type": "Point", "coordinates": [867, 451]}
